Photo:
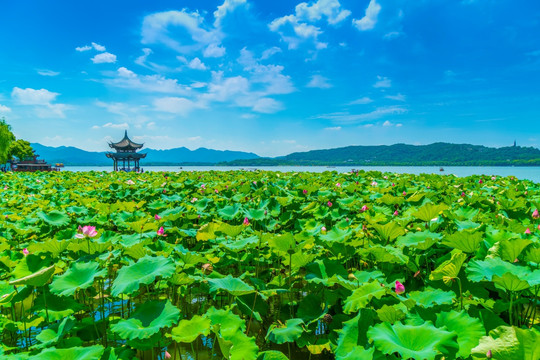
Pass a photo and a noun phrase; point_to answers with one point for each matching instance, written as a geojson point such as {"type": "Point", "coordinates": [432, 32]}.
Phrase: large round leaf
{"type": "Point", "coordinates": [54, 217]}
{"type": "Point", "coordinates": [74, 353]}
{"type": "Point", "coordinates": [469, 330]}
{"type": "Point", "coordinates": [430, 297]}
{"type": "Point", "coordinates": [39, 278]}
{"type": "Point", "coordinates": [507, 343]}
{"type": "Point", "coordinates": [290, 332]}
{"type": "Point", "coordinates": [362, 296]}
{"type": "Point", "coordinates": [188, 330]}
{"type": "Point", "coordinates": [148, 319]}
{"type": "Point", "coordinates": [417, 342]}
{"type": "Point", "coordinates": [80, 275]}
{"type": "Point", "coordinates": [144, 271]}
{"type": "Point", "coordinates": [234, 286]}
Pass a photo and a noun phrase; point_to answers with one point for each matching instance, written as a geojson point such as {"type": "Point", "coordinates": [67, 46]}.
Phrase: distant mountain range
{"type": "Point", "coordinates": [437, 154]}
{"type": "Point", "coordinates": [69, 155]}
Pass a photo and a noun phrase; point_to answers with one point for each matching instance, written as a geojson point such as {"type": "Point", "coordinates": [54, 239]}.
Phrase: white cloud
{"type": "Point", "coordinates": [127, 79]}
{"type": "Point", "coordinates": [392, 35]}
{"type": "Point", "coordinates": [161, 28]}
{"type": "Point", "coordinates": [83, 48]}
{"type": "Point", "coordinates": [214, 50]}
{"type": "Point", "coordinates": [48, 73]}
{"type": "Point", "coordinates": [318, 81]}
{"type": "Point", "coordinates": [331, 9]}
{"type": "Point", "coordinates": [123, 126]}
{"type": "Point", "coordinates": [141, 60]}
{"type": "Point", "coordinates": [267, 106]}
{"type": "Point", "coordinates": [104, 58]}
{"type": "Point", "coordinates": [32, 96]}
{"type": "Point", "coordinates": [382, 82]}
{"type": "Point", "coordinates": [98, 47]}
{"type": "Point", "coordinates": [228, 6]}
{"type": "Point", "coordinates": [194, 138]}
{"type": "Point", "coordinates": [270, 52]}
{"type": "Point", "coordinates": [399, 125]}
{"type": "Point", "coordinates": [398, 97]}
{"type": "Point", "coordinates": [345, 117]}
{"type": "Point", "coordinates": [198, 84]}
{"type": "Point", "coordinates": [174, 105]}
{"type": "Point", "coordinates": [197, 64]}
{"type": "Point", "coordinates": [362, 101]}
{"type": "Point", "coordinates": [369, 21]}
{"type": "Point", "coordinates": [4, 109]}
{"type": "Point", "coordinates": [387, 123]}
{"type": "Point", "coordinates": [333, 128]}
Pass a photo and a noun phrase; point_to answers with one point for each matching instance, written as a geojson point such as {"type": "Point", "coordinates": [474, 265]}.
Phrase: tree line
{"type": "Point", "coordinates": [12, 148]}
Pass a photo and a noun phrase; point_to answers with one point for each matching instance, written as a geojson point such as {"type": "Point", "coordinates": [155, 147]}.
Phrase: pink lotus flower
{"type": "Point", "coordinates": [338, 185]}
{"type": "Point", "coordinates": [364, 208]}
{"type": "Point", "coordinates": [393, 184]}
{"type": "Point", "coordinates": [489, 355]}
{"type": "Point", "coordinates": [157, 217]}
{"type": "Point", "coordinates": [304, 191]}
{"type": "Point", "coordinates": [535, 214]}
{"type": "Point", "coordinates": [5, 187]}
{"type": "Point", "coordinates": [254, 183]}
{"type": "Point", "coordinates": [161, 231]}
{"type": "Point", "coordinates": [400, 288]}
{"type": "Point", "coordinates": [193, 200]}
{"type": "Point", "coordinates": [385, 177]}
{"type": "Point", "coordinates": [480, 181]}
{"type": "Point", "coordinates": [246, 221]}
{"type": "Point", "coordinates": [164, 191]}
{"type": "Point", "coordinates": [462, 194]}
{"type": "Point", "coordinates": [528, 231]}
{"type": "Point", "coordinates": [373, 183]}
{"type": "Point", "coordinates": [329, 203]}
{"type": "Point", "coordinates": [216, 191]}
{"type": "Point", "coordinates": [130, 182]}
{"type": "Point", "coordinates": [404, 193]}
{"type": "Point", "coordinates": [167, 355]}
{"type": "Point", "coordinates": [86, 232]}
{"type": "Point", "coordinates": [25, 251]}
{"type": "Point", "coordinates": [203, 186]}
{"type": "Point", "coordinates": [493, 178]}
{"type": "Point", "coordinates": [396, 213]}
{"type": "Point", "coordinates": [323, 229]}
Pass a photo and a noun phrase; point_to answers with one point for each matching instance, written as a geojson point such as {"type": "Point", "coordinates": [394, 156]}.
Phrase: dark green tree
{"type": "Point", "coordinates": [20, 149]}
{"type": "Point", "coordinates": [6, 138]}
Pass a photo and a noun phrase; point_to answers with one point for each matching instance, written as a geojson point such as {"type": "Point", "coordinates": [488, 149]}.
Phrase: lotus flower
{"type": "Point", "coordinates": [167, 355]}
{"type": "Point", "coordinates": [246, 221]}
{"type": "Point", "coordinates": [254, 183]}
{"type": "Point", "coordinates": [338, 185]}
{"type": "Point", "coordinates": [489, 355]}
{"type": "Point", "coordinates": [385, 177]}
{"type": "Point", "coordinates": [207, 268]}
{"type": "Point", "coordinates": [157, 217]}
{"type": "Point", "coordinates": [535, 214]}
{"type": "Point", "coordinates": [161, 231]}
{"type": "Point", "coordinates": [86, 232]}
{"type": "Point", "coordinates": [396, 213]}
{"type": "Point", "coordinates": [480, 181]}
{"type": "Point", "coordinates": [404, 193]}
{"type": "Point", "coordinates": [203, 186]}
{"type": "Point", "coordinates": [304, 191]}
{"type": "Point", "coordinates": [373, 183]}
{"type": "Point", "coordinates": [130, 182]}
{"type": "Point", "coordinates": [462, 194]}
{"type": "Point", "coordinates": [25, 251]}
{"type": "Point", "coordinates": [193, 200]}
{"type": "Point", "coordinates": [5, 187]}
{"type": "Point", "coordinates": [400, 289]}
{"type": "Point", "coordinates": [528, 231]}
{"type": "Point", "coordinates": [329, 203]}
{"type": "Point", "coordinates": [323, 228]}
{"type": "Point", "coordinates": [216, 191]}
{"type": "Point", "coordinates": [493, 178]}
{"type": "Point", "coordinates": [364, 208]}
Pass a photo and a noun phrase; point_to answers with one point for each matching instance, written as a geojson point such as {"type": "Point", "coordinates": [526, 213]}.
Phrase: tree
{"type": "Point", "coordinates": [6, 138]}
{"type": "Point", "coordinates": [20, 149]}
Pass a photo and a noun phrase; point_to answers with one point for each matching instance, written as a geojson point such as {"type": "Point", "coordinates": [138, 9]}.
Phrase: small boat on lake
{"type": "Point", "coordinates": [441, 169]}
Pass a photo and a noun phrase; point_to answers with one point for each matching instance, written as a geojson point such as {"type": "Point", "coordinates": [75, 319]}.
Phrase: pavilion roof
{"type": "Point", "coordinates": [125, 144]}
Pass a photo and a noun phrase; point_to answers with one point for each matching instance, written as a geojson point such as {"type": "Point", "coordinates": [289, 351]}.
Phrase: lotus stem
{"type": "Point", "coordinates": [460, 292]}
{"type": "Point", "coordinates": [45, 302]}
{"type": "Point", "coordinates": [510, 309]}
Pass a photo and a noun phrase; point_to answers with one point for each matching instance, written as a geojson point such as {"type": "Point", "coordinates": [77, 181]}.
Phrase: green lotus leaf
{"type": "Point", "coordinates": [390, 231]}
{"type": "Point", "coordinates": [147, 320]}
{"type": "Point", "coordinates": [255, 214]}
{"type": "Point", "coordinates": [389, 254]}
{"type": "Point", "coordinates": [390, 314]}
{"type": "Point", "coordinates": [73, 353]}
{"type": "Point", "coordinates": [533, 254]}
{"type": "Point", "coordinates": [79, 276]}
{"type": "Point", "coordinates": [54, 247]}
{"type": "Point", "coordinates": [230, 230]}
{"type": "Point", "coordinates": [465, 241]}
{"type": "Point", "coordinates": [336, 235]}
{"type": "Point", "coordinates": [188, 331]}
{"type": "Point", "coordinates": [510, 282]}
{"type": "Point", "coordinates": [282, 243]}
{"type": "Point", "coordinates": [430, 297]}
{"type": "Point", "coordinates": [289, 332]}
{"type": "Point", "coordinates": [421, 240]}
{"type": "Point", "coordinates": [225, 322]}
{"type": "Point", "coordinates": [241, 244]}
{"type": "Point", "coordinates": [363, 295]}
{"type": "Point", "coordinates": [410, 341]}
{"type": "Point", "coordinates": [232, 285]}
{"type": "Point", "coordinates": [481, 270]}
{"type": "Point", "coordinates": [349, 345]}
{"type": "Point", "coordinates": [429, 211]}
{"type": "Point", "coordinates": [7, 292]}
{"type": "Point", "coordinates": [449, 269]}
{"type": "Point", "coordinates": [507, 342]}
{"type": "Point", "coordinates": [229, 212]}
{"type": "Point", "coordinates": [272, 355]}
{"type": "Point", "coordinates": [510, 249]}
{"type": "Point", "coordinates": [467, 225]}
{"type": "Point", "coordinates": [207, 232]}
{"type": "Point", "coordinates": [469, 330]}
{"type": "Point", "coordinates": [39, 278]}
{"type": "Point", "coordinates": [143, 271]}
{"type": "Point", "coordinates": [54, 217]}
{"type": "Point", "coordinates": [466, 213]}
{"type": "Point", "coordinates": [54, 334]}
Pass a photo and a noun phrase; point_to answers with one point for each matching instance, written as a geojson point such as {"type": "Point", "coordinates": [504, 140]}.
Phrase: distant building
{"type": "Point", "coordinates": [515, 143]}
{"type": "Point", "coordinates": [126, 154]}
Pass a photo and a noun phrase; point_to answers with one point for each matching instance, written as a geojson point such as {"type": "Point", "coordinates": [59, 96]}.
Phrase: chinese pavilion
{"type": "Point", "coordinates": [126, 154]}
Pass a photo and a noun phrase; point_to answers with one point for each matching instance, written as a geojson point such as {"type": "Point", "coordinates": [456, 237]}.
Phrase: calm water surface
{"type": "Point", "coordinates": [529, 173]}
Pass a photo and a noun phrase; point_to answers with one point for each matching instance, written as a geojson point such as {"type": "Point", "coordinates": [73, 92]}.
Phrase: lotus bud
{"type": "Point", "coordinates": [246, 221]}
{"type": "Point", "coordinates": [480, 181]}
{"type": "Point", "coordinates": [338, 185]}
{"type": "Point", "coordinates": [25, 251]}
{"type": "Point", "coordinates": [528, 231]}
{"type": "Point", "coordinates": [161, 231]}
{"type": "Point", "coordinates": [404, 193]}
{"type": "Point", "coordinates": [535, 214]}
{"type": "Point", "coordinates": [304, 191]}
{"type": "Point", "coordinates": [167, 355]}
{"type": "Point", "coordinates": [396, 213]}
{"type": "Point", "coordinates": [157, 217]}
{"type": "Point", "coordinates": [329, 203]}
{"type": "Point", "coordinates": [327, 318]}
{"type": "Point", "coordinates": [364, 208]}
{"type": "Point", "coordinates": [207, 268]}
{"type": "Point", "coordinates": [323, 229]}
{"type": "Point", "coordinates": [352, 277]}
{"type": "Point", "coordinates": [400, 288]}
{"type": "Point", "coordinates": [393, 184]}
{"type": "Point", "coordinates": [489, 355]}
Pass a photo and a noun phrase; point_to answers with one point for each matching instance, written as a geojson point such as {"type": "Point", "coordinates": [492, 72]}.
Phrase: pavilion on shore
{"type": "Point", "coordinates": [126, 157]}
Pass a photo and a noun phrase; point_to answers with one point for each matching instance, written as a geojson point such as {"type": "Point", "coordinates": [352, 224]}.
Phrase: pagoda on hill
{"type": "Point", "coordinates": [126, 154]}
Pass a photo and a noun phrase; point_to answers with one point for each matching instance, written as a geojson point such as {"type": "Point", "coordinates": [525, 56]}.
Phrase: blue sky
{"type": "Point", "coordinates": [272, 77]}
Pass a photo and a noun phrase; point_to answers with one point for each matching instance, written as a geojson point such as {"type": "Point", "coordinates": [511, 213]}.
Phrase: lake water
{"type": "Point", "coordinates": [525, 172]}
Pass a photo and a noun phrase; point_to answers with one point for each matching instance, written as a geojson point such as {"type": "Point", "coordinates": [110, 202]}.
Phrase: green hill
{"type": "Point", "coordinates": [437, 154]}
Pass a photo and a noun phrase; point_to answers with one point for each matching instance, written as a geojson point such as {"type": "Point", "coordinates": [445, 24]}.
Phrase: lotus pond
{"type": "Point", "coordinates": [267, 265]}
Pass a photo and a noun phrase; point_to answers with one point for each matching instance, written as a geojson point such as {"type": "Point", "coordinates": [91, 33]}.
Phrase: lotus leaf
{"type": "Point", "coordinates": [465, 241]}
{"type": "Point", "coordinates": [507, 342]}
{"type": "Point", "coordinates": [79, 276]}
{"type": "Point", "coordinates": [39, 278]}
{"type": "Point", "coordinates": [144, 271]}
{"type": "Point", "coordinates": [430, 297]}
{"type": "Point", "coordinates": [362, 296]}
{"type": "Point", "coordinates": [233, 286]}
{"type": "Point", "coordinates": [188, 330]}
{"type": "Point", "coordinates": [54, 217]}
{"type": "Point", "coordinates": [449, 269]}
{"type": "Point", "coordinates": [511, 248]}
{"type": "Point", "coordinates": [349, 344]}
{"type": "Point", "coordinates": [289, 332]}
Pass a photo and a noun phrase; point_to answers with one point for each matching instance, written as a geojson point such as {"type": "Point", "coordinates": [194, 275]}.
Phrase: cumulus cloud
{"type": "Point", "coordinates": [4, 109]}
{"type": "Point", "coordinates": [382, 82]}
{"type": "Point", "coordinates": [94, 46]}
{"type": "Point", "coordinates": [104, 58]}
{"type": "Point", "coordinates": [369, 20]}
{"type": "Point", "coordinates": [174, 105]}
{"type": "Point", "coordinates": [127, 79]}
{"type": "Point", "coordinates": [318, 81]}
{"type": "Point", "coordinates": [214, 50]}
{"type": "Point", "coordinates": [267, 106]}
{"type": "Point", "coordinates": [116, 126]}
{"type": "Point", "coordinates": [270, 52]}
{"type": "Point", "coordinates": [83, 48]}
{"type": "Point", "coordinates": [30, 96]}
{"type": "Point", "coordinates": [98, 47]}
{"type": "Point", "coordinates": [197, 64]}
{"type": "Point", "coordinates": [331, 9]}
{"type": "Point", "coordinates": [227, 7]}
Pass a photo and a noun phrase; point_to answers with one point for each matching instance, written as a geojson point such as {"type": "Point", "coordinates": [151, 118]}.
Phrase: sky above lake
{"type": "Point", "coordinates": [271, 77]}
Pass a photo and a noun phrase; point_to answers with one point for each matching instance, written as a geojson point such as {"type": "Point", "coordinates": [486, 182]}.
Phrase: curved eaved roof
{"type": "Point", "coordinates": [126, 144]}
